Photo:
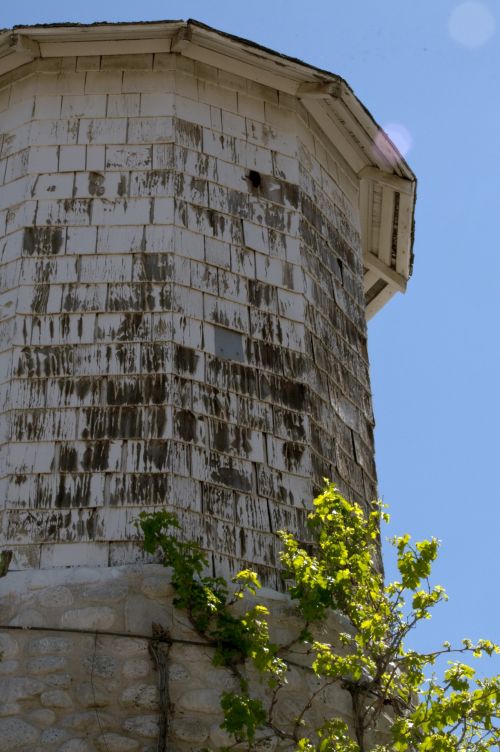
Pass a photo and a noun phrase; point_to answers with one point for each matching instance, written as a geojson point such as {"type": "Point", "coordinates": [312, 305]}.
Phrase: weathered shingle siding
{"type": "Point", "coordinates": [175, 329]}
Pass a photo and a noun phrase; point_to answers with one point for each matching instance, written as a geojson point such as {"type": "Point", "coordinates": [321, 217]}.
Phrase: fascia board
{"type": "Point", "coordinates": [100, 32]}
{"type": "Point", "coordinates": [105, 47]}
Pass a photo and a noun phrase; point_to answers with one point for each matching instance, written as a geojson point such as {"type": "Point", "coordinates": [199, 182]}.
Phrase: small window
{"type": "Point", "coordinates": [228, 344]}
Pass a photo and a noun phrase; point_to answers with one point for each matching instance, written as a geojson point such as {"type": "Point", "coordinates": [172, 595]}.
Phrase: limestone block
{"type": "Point", "coordinates": [16, 734]}
{"type": "Point", "coordinates": [47, 645]}
{"type": "Point", "coordinates": [42, 717]}
{"type": "Point", "coordinates": [8, 645]}
{"type": "Point", "coordinates": [85, 720]}
{"type": "Point", "coordinates": [9, 667]}
{"type": "Point", "coordinates": [138, 668]}
{"type": "Point", "coordinates": [138, 619]}
{"type": "Point", "coordinates": [190, 729]}
{"type": "Point", "coordinates": [107, 591]}
{"type": "Point", "coordinates": [103, 666]}
{"type": "Point", "coordinates": [157, 586]}
{"type": "Point", "coordinates": [145, 726]}
{"type": "Point", "coordinates": [53, 736]}
{"type": "Point", "coordinates": [220, 737]}
{"type": "Point", "coordinates": [91, 696]}
{"type": "Point", "coordinates": [56, 698]}
{"type": "Point", "coordinates": [178, 673]}
{"type": "Point", "coordinates": [46, 665]}
{"type": "Point", "coordinates": [109, 742]}
{"type": "Point", "coordinates": [19, 688]}
{"type": "Point", "coordinates": [200, 701]}
{"type": "Point", "coordinates": [90, 617]}
{"type": "Point", "coordinates": [62, 681]}
{"type": "Point", "coordinates": [142, 696]}
{"type": "Point", "coordinates": [76, 745]}
{"type": "Point", "coordinates": [130, 647]}
{"type": "Point", "coordinates": [55, 597]}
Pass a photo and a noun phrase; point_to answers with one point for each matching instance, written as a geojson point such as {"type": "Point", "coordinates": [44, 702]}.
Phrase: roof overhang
{"type": "Point", "coordinates": [387, 184]}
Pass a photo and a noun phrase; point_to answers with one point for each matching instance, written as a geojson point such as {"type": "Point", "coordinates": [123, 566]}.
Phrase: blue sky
{"type": "Point", "coordinates": [433, 68]}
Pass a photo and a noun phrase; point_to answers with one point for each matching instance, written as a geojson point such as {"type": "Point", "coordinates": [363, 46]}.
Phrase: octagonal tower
{"type": "Point", "coordinates": [193, 231]}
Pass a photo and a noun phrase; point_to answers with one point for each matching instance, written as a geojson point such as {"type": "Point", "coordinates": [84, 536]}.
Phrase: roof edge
{"type": "Point", "coordinates": [386, 179]}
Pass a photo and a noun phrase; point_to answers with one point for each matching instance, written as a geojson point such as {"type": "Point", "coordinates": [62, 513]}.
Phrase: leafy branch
{"type": "Point", "coordinates": [392, 700]}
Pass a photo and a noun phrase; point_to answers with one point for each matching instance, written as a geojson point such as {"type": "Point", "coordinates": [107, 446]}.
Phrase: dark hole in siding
{"type": "Point", "coordinates": [228, 344]}
{"type": "Point", "coordinates": [255, 178]}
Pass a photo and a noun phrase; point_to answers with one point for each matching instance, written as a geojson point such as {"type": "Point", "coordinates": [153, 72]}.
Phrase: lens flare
{"type": "Point", "coordinates": [399, 135]}
{"type": "Point", "coordinates": [471, 24]}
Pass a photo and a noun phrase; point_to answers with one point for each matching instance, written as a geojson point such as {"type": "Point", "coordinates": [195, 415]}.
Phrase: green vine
{"type": "Point", "coordinates": [390, 695]}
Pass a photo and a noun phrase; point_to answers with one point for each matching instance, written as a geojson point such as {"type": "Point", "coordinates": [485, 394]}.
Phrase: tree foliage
{"type": "Point", "coordinates": [396, 693]}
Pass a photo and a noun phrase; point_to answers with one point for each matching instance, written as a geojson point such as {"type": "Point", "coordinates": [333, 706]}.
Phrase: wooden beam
{"type": "Point", "coordinates": [384, 250]}
{"type": "Point", "coordinates": [365, 212]}
{"type": "Point", "coordinates": [393, 278]}
{"type": "Point", "coordinates": [380, 301]}
{"type": "Point", "coordinates": [319, 91]}
{"type": "Point", "coordinates": [388, 179]}
{"type": "Point", "coordinates": [369, 279]}
{"type": "Point", "coordinates": [182, 39]}
{"type": "Point", "coordinates": [404, 235]}
{"type": "Point", "coordinates": [104, 47]}
{"type": "Point", "coordinates": [17, 50]}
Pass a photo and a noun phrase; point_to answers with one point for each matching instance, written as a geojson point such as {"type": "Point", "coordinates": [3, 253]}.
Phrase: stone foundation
{"type": "Point", "coordinates": [77, 673]}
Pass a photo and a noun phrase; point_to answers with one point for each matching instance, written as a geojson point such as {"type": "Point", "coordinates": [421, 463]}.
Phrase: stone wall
{"type": "Point", "coordinates": [77, 674]}
{"type": "Point", "coordinates": [182, 315]}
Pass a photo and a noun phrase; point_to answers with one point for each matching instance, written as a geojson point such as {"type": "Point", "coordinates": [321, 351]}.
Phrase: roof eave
{"type": "Point", "coordinates": [381, 169]}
